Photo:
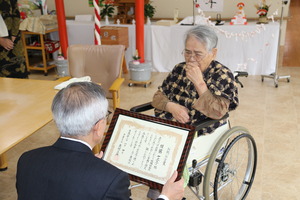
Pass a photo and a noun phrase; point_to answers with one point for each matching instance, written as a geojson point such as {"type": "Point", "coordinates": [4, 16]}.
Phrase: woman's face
{"type": "Point", "coordinates": [196, 52]}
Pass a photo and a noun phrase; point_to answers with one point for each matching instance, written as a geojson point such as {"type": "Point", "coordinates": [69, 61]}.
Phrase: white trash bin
{"type": "Point", "coordinates": [140, 72]}
{"type": "Point", "coordinates": [62, 68]}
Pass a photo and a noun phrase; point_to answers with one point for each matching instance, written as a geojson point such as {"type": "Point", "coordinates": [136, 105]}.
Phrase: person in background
{"type": "Point", "coordinates": [199, 88]}
{"type": "Point", "coordinates": [12, 61]}
{"type": "Point", "coordinates": [68, 170]}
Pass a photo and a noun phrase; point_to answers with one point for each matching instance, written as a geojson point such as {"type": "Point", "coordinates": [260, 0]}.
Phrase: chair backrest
{"type": "Point", "coordinates": [103, 63]}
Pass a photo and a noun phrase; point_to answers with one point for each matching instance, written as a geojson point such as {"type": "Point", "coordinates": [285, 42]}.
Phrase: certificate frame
{"type": "Point", "coordinates": [174, 153]}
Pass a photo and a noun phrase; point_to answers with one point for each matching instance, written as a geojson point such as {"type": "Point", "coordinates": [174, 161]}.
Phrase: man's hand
{"type": "Point", "coordinates": [6, 43]}
{"type": "Point", "coordinates": [173, 190]}
{"type": "Point", "coordinates": [179, 112]}
{"type": "Point", "coordinates": [99, 155]}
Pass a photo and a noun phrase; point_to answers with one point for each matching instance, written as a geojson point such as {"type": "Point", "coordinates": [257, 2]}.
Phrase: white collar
{"type": "Point", "coordinates": [76, 140]}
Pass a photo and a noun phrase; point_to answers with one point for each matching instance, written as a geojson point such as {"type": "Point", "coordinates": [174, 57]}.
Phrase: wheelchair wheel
{"type": "Point", "coordinates": [231, 167]}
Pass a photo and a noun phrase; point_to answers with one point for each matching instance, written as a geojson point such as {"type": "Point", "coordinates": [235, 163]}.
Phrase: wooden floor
{"type": "Point", "coordinates": [272, 115]}
{"type": "Point", "coordinates": [291, 57]}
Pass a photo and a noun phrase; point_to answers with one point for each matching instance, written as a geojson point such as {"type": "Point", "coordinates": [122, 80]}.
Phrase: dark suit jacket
{"type": "Point", "coordinates": [68, 170]}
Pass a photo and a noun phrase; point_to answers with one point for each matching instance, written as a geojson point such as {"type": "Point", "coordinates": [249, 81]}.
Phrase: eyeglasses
{"type": "Point", "coordinates": [198, 56]}
{"type": "Point", "coordinates": [108, 113]}
{"type": "Point", "coordinates": [106, 116]}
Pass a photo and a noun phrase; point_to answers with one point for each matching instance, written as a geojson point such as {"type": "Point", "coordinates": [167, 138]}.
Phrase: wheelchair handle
{"type": "Point", "coordinates": [238, 74]}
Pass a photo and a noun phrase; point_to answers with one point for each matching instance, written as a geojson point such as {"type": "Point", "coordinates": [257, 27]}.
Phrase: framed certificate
{"type": "Point", "coordinates": [149, 149]}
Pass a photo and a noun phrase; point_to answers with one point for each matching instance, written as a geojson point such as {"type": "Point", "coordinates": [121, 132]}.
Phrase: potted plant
{"type": "Point", "coordinates": [149, 11]}
{"type": "Point", "coordinates": [107, 9]}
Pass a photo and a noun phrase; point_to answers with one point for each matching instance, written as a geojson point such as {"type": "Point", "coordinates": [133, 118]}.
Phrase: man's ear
{"type": "Point", "coordinates": [98, 127]}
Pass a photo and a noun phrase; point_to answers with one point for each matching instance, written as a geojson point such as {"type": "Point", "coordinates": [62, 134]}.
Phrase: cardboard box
{"type": "Point", "coordinates": [111, 35]}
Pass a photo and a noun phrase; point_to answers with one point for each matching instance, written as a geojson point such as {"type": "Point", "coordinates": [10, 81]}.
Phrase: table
{"type": "Point", "coordinates": [163, 45]}
{"type": "Point", "coordinates": [25, 107]}
{"type": "Point", "coordinates": [257, 55]}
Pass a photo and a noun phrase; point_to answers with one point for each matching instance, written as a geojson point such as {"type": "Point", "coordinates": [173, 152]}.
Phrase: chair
{"type": "Point", "coordinates": [103, 63]}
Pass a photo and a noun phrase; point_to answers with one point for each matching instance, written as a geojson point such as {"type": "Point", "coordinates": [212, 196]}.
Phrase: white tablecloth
{"type": "Point", "coordinates": [163, 45]}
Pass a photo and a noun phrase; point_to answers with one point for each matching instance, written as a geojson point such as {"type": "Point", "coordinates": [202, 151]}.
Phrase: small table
{"type": "Point", "coordinates": [25, 107]}
{"type": "Point", "coordinates": [41, 47]}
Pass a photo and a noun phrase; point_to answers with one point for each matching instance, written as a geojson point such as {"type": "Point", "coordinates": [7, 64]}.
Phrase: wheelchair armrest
{"type": "Point", "coordinates": [142, 107]}
{"type": "Point", "coordinates": [208, 122]}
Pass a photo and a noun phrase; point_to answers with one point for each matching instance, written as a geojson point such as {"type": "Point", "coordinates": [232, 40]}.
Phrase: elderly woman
{"type": "Point", "coordinates": [200, 87]}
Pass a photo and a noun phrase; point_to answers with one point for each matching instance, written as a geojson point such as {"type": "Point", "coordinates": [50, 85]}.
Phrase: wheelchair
{"type": "Point", "coordinates": [220, 165]}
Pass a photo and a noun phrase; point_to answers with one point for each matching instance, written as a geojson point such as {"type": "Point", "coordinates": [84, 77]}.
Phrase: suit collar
{"type": "Point", "coordinates": [71, 145]}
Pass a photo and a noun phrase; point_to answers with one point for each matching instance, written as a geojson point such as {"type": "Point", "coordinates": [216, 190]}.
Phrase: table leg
{"type": "Point", "coordinates": [3, 162]}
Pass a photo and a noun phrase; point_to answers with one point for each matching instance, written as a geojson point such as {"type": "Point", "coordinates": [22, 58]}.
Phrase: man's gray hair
{"type": "Point", "coordinates": [204, 34]}
{"type": "Point", "coordinates": [78, 107]}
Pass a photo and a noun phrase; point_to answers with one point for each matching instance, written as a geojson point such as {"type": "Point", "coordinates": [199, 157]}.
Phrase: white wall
{"type": "Point", "coordinates": [165, 9]}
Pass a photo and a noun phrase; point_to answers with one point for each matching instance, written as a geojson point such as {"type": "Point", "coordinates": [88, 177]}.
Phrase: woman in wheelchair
{"type": "Point", "coordinates": [201, 91]}
{"type": "Point", "coordinates": [199, 88]}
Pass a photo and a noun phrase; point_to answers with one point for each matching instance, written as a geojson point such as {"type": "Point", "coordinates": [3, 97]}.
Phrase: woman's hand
{"type": "Point", "coordinates": [6, 43]}
{"type": "Point", "coordinates": [194, 73]}
{"type": "Point", "coordinates": [179, 112]}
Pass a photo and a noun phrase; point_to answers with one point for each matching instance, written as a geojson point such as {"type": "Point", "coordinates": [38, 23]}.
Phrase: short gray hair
{"type": "Point", "coordinates": [78, 107]}
{"type": "Point", "coordinates": [204, 34]}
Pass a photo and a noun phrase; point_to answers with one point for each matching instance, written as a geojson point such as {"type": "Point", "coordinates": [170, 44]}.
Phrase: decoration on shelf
{"type": "Point", "coordinates": [97, 22]}
{"type": "Point", "coordinates": [136, 58]}
{"type": "Point", "coordinates": [106, 20]}
{"type": "Point", "coordinates": [51, 45]}
{"type": "Point", "coordinates": [272, 16]}
{"type": "Point", "coordinates": [60, 55]}
{"type": "Point", "coordinates": [44, 7]}
{"type": "Point", "coordinates": [107, 8]}
{"type": "Point", "coordinates": [262, 11]}
{"type": "Point", "coordinates": [219, 20]}
{"type": "Point", "coordinates": [176, 15]}
{"type": "Point", "coordinates": [240, 17]}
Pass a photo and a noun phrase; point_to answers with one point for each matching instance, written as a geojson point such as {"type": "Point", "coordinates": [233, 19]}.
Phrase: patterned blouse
{"type": "Point", "coordinates": [179, 89]}
{"type": "Point", "coordinates": [12, 63]}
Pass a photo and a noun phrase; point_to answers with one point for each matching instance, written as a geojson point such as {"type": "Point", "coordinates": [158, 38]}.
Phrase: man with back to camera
{"type": "Point", "coordinates": [68, 169]}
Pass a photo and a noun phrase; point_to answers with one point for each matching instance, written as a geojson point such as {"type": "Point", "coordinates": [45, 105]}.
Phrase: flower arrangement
{"type": "Point", "coordinates": [262, 8]}
{"type": "Point", "coordinates": [136, 58]}
{"type": "Point", "coordinates": [107, 8]}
